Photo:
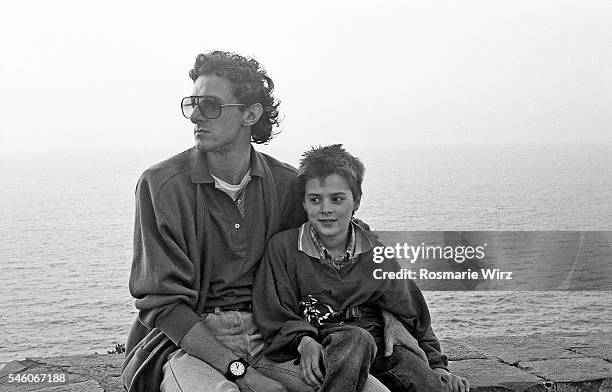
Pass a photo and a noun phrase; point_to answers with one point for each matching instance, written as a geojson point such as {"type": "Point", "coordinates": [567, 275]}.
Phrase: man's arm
{"type": "Point", "coordinates": [162, 272]}
{"type": "Point", "coordinates": [201, 344]}
{"type": "Point", "coordinates": [161, 281]}
{"type": "Point", "coordinates": [161, 276]}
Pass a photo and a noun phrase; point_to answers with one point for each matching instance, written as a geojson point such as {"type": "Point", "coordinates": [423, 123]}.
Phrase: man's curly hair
{"type": "Point", "coordinates": [251, 85]}
{"type": "Point", "coordinates": [321, 162]}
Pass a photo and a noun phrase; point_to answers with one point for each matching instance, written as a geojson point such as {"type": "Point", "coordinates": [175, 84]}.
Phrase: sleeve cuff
{"type": "Point", "coordinates": [439, 362]}
{"type": "Point", "coordinates": [439, 366]}
{"type": "Point", "coordinates": [178, 322]}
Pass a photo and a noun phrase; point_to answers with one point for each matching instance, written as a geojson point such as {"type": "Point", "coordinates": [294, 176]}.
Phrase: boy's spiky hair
{"type": "Point", "coordinates": [321, 162]}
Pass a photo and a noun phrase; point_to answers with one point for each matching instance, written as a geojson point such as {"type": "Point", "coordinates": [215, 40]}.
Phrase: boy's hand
{"type": "Point", "coordinates": [452, 382]}
{"type": "Point", "coordinates": [253, 381]}
{"type": "Point", "coordinates": [312, 356]}
{"type": "Point", "coordinates": [397, 334]}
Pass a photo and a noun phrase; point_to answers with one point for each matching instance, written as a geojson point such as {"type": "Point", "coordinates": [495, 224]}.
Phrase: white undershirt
{"type": "Point", "coordinates": [231, 189]}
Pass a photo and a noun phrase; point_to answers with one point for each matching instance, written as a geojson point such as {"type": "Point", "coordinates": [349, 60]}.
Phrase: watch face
{"type": "Point", "coordinates": [237, 368]}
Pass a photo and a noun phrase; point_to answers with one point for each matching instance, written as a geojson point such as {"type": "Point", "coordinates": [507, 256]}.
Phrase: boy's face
{"type": "Point", "coordinates": [329, 205]}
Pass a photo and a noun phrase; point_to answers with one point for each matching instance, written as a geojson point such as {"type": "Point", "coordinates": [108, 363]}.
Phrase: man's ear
{"type": "Point", "coordinates": [252, 114]}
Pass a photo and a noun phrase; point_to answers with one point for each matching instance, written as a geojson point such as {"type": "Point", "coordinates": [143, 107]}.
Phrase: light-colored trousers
{"type": "Point", "coordinates": [238, 331]}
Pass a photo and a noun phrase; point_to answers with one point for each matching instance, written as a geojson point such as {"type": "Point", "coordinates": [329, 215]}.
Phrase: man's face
{"type": "Point", "coordinates": [329, 206]}
{"type": "Point", "coordinates": [225, 132]}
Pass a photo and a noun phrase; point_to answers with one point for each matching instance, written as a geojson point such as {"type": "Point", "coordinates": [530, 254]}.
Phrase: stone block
{"type": "Point", "coordinates": [569, 370]}
{"type": "Point", "coordinates": [491, 375]}
{"type": "Point", "coordinates": [456, 351]}
{"type": "Point", "coordinates": [512, 349]}
{"type": "Point", "coordinates": [85, 386]}
{"type": "Point", "coordinates": [12, 368]}
{"type": "Point", "coordinates": [597, 345]}
{"type": "Point", "coordinates": [578, 339]}
{"type": "Point", "coordinates": [602, 352]}
{"type": "Point", "coordinates": [86, 373]}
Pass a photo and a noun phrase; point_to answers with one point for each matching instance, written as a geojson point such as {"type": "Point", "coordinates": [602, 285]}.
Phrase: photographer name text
{"type": "Point", "coordinates": [424, 274]}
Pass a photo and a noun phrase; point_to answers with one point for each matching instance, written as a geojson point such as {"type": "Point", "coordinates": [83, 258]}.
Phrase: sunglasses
{"type": "Point", "coordinates": [209, 107]}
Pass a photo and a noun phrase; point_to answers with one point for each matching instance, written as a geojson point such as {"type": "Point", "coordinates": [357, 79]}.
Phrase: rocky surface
{"type": "Point", "coordinates": [560, 363]}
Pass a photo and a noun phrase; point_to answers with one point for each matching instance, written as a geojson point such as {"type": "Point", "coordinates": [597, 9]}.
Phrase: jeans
{"type": "Point", "coordinates": [238, 331]}
{"type": "Point", "coordinates": [404, 371]}
{"type": "Point", "coordinates": [349, 352]}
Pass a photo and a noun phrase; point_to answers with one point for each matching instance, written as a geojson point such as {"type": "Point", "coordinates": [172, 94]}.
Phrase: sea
{"type": "Point", "coordinates": [66, 226]}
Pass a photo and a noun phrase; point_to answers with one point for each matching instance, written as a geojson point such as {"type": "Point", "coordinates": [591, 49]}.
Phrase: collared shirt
{"type": "Point", "coordinates": [326, 257]}
{"type": "Point", "coordinates": [240, 223]}
{"type": "Point", "coordinates": [236, 192]}
{"type": "Point", "coordinates": [186, 229]}
{"type": "Point", "coordinates": [359, 242]}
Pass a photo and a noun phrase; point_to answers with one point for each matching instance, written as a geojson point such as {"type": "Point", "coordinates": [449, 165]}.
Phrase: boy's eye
{"type": "Point", "coordinates": [337, 199]}
{"type": "Point", "coordinates": [314, 200]}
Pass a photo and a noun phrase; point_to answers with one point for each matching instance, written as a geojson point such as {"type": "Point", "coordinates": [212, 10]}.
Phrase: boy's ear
{"type": "Point", "coordinates": [252, 114]}
{"type": "Point", "coordinates": [355, 206]}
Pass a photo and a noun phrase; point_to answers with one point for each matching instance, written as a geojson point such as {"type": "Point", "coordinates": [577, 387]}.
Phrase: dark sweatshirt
{"type": "Point", "coordinates": [180, 232]}
{"type": "Point", "coordinates": [291, 271]}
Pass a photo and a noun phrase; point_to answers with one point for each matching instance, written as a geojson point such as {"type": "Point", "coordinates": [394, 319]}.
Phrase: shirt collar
{"type": "Point", "coordinates": [306, 244]}
{"type": "Point", "coordinates": [325, 254]}
{"type": "Point", "coordinates": [201, 174]}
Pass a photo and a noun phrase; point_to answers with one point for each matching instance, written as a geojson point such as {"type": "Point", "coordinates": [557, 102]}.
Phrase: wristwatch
{"type": "Point", "coordinates": [236, 369]}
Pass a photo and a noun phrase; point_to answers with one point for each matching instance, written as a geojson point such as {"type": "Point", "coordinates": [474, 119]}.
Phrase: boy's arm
{"type": "Point", "coordinates": [411, 310]}
{"type": "Point", "coordinates": [275, 307]}
{"type": "Point", "coordinates": [431, 345]}
{"type": "Point", "coordinates": [396, 334]}
{"type": "Point", "coordinates": [404, 300]}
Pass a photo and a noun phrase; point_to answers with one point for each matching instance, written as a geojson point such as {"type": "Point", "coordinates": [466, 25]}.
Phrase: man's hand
{"type": "Point", "coordinates": [253, 381]}
{"type": "Point", "coordinates": [312, 356]}
{"type": "Point", "coordinates": [452, 382]}
{"type": "Point", "coordinates": [396, 334]}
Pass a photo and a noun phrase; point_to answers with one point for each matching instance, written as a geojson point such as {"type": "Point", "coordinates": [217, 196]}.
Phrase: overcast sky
{"type": "Point", "coordinates": [76, 75]}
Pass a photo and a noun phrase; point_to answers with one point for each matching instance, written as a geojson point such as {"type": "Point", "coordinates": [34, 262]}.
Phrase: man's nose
{"type": "Point", "coordinates": [196, 116]}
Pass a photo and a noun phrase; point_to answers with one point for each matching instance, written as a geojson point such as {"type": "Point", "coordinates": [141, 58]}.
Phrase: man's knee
{"type": "Point", "coordinates": [275, 386]}
{"type": "Point", "coordinates": [287, 373]}
{"type": "Point", "coordinates": [184, 372]}
{"type": "Point", "coordinates": [406, 371]}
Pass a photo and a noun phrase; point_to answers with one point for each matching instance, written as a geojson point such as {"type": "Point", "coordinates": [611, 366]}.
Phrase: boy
{"type": "Point", "coordinates": [315, 297]}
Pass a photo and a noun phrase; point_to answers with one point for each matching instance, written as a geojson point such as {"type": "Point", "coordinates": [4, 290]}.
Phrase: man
{"type": "Point", "coordinates": [203, 218]}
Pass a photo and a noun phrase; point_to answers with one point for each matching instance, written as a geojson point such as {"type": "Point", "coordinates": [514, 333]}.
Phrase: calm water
{"type": "Point", "coordinates": [66, 228]}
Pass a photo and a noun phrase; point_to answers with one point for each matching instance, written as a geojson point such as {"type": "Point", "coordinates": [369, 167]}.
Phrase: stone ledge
{"type": "Point", "coordinates": [560, 363]}
{"type": "Point", "coordinates": [86, 373]}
